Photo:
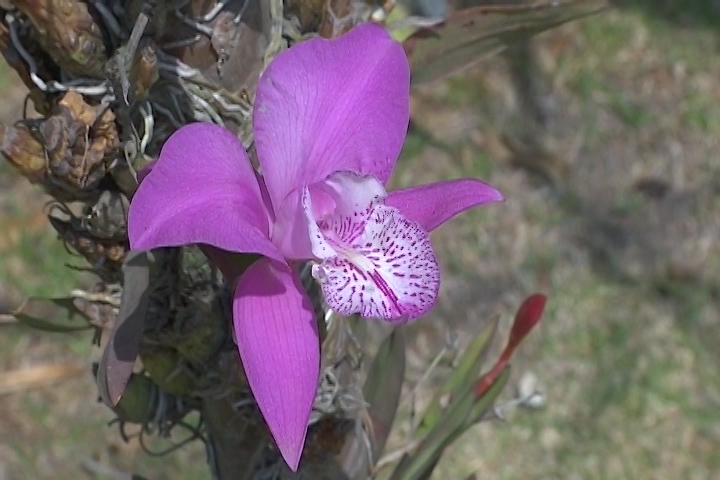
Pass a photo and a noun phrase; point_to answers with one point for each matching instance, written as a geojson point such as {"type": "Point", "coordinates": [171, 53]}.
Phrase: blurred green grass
{"type": "Point", "coordinates": [628, 357]}
{"type": "Point", "coordinates": [628, 360]}
{"type": "Point", "coordinates": [49, 432]}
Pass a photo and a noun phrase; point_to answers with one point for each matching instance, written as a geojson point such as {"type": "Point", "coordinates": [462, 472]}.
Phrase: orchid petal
{"type": "Point", "coordinates": [390, 271]}
{"type": "Point", "coordinates": [277, 337]}
{"type": "Point", "coordinates": [321, 247]}
{"type": "Point", "coordinates": [202, 189]}
{"type": "Point", "coordinates": [290, 232]}
{"type": "Point", "coordinates": [349, 191]}
{"type": "Point", "coordinates": [347, 200]}
{"type": "Point", "coordinates": [341, 194]}
{"type": "Point", "coordinates": [330, 105]}
{"type": "Point", "coordinates": [434, 204]}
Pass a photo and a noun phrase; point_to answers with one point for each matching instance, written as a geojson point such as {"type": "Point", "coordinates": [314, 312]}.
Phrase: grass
{"type": "Point", "coordinates": [628, 367]}
{"type": "Point", "coordinates": [627, 352]}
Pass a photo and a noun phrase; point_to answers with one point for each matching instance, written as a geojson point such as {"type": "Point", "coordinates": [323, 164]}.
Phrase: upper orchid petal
{"type": "Point", "coordinates": [202, 189]}
{"type": "Point", "coordinates": [434, 204]}
{"type": "Point", "coordinates": [277, 337]}
{"type": "Point", "coordinates": [332, 105]}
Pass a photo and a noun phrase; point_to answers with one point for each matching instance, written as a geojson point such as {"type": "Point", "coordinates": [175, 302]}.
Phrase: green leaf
{"type": "Point", "coordinates": [53, 314]}
{"type": "Point", "coordinates": [381, 391]}
{"type": "Point", "coordinates": [477, 412]}
{"type": "Point", "coordinates": [464, 374]}
{"type": "Point", "coordinates": [383, 387]}
{"type": "Point", "coordinates": [460, 415]}
{"type": "Point", "coordinates": [401, 24]}
{"type": "Point", "coordinates": [119, 357]}
{"type": "Point", "coordinates": [469, 35]}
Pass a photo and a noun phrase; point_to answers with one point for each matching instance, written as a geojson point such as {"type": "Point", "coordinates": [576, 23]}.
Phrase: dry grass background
{"type": "Point", "coordinates": [624, 241]}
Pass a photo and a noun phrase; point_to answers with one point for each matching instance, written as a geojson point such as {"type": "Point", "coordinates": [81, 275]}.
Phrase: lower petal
{"type": "Point", "coordinates": [277, 337]}
{"type": "Point", "coordinates": [390, 272]}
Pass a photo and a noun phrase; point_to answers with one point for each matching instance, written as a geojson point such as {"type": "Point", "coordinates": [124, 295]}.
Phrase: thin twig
{"type": "Point", "coordinates": [37, 376]}
{"type": "Point", "coordinates": [96, 297]}
{"type": "Point", "coordinates": [425, 376]}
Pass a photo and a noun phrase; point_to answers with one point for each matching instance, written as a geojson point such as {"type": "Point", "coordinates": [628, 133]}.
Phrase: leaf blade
{"type": "Point", "coordinates": [466, 372]}
{"type": "Point", "coordinates": [119, 357]}
{"type": "Point", "coordinates": [469, 35]}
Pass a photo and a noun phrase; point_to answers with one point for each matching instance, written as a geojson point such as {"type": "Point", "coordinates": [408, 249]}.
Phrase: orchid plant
{"type": "Point", "coordinates": [330, 119]}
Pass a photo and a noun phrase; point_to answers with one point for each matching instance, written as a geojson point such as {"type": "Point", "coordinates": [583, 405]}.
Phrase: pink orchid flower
{"type": "Point", "coordinates": [330, 119]}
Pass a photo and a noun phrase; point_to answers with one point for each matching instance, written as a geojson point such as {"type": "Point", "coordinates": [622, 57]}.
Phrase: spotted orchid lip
{"type": "Point", "coordinates": [373, 261]}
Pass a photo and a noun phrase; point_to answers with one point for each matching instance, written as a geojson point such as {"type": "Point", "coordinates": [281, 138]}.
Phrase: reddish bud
{"type": "Point", "coordinates": [527, 316]}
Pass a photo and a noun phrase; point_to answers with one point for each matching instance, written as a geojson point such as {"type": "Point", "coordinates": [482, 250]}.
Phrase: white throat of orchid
{"type": "Point", "coordinates": [370, 259]}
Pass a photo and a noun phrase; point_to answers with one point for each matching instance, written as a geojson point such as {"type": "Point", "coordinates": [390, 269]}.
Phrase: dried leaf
{"type": "Point", "coordinates": [23, 151]}
{"type": "Point", "coordinates": [119, 357]}
{"type": "Point", "coordinates": [53, 314]}
{"type": "Point", "coordinates": [471, 34]}
{"type": "Point", "coordinates": [337, 24]}
{"type": "Point", "coordinates": [69, 33]}
{"type": "Point", "coordinates": [310, 13]}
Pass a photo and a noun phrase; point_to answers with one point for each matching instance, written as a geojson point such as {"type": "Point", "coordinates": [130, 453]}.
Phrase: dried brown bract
{"type": "Point", "coordinates": [23, 151]}
{"type": "Point", "coordinates": [68, 33]}
{"type": "Point", "coordinates": [144, 69]}
{"type": "Point", "coordinates": [310, 13]}
{"type": "Point", "coordinates": [69, 152]}
{"type": "Point", "coordinates": [104, 256]}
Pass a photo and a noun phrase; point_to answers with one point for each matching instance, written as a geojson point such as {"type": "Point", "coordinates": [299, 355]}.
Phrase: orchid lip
{"type": "Point", "coordinates": [370, 259]}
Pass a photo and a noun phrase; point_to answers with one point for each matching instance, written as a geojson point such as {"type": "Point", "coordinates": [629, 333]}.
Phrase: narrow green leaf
{"type": "Point", "coordinates": [464, 374]}
{"type": "Point", "coordinates": [469, 35]}
{"type": "Point", "coordinates": [401, 24]}
{"type": "Point", "coordinates": [383, 387]}
{"type": "Point", "coordinates": [429, 471]}
{"type": "Point", "coordinates": [458, 417]}
{"type": "Point", "coordinates": [381, 391]}
{"type": "Point", "coordinates": [53, 314]}
{"type": "Point", "coordinates": [482, 404]}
